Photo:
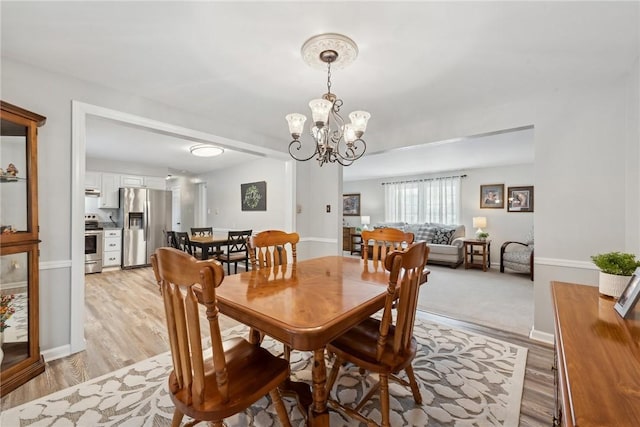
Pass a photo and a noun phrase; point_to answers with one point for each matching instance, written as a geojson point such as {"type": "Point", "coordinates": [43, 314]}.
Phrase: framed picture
{"type": "Point", "coordinates": [629, 296]}
{"type": "Point", "coordinates": [351, 204]}
{"type": "Point", "coordinates": [254, 196]}
{"type": "Point", "coordinates": [520, 199]}
{"type": "Point", "coordinates": [492, 196]}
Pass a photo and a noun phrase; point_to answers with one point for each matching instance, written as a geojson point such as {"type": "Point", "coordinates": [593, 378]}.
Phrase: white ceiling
{"type": "Point", "coordinates": [238, 64]}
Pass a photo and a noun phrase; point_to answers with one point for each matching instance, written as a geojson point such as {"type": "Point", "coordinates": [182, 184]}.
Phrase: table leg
{"type": "Point", "coordinates": [318, 414]}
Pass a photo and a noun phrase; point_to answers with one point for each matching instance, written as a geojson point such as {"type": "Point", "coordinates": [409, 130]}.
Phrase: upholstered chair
{"type": "Point", "coordinates": [518, 256]}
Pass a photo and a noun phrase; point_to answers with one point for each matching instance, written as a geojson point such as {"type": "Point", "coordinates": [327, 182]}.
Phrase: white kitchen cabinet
{"type": "Point", "coordinates": [155, 182]}
{"type": "Point", "coordinates": [92, 180]}
{"type": "Point", "coordinates": [109, 194]}
{"type": "Point", "coordinates": [112, 248]}
{"type": "Point", "coordinates": [131, 181]}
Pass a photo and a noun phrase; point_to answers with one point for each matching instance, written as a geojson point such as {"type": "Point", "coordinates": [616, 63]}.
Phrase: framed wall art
{"type": "Point", "coordinates": [629, 296]}
{"type": "Point", "coordinates": [254, 196]}
{"type": "Point", "coordinates": [520, 199]}
{"type": "Point", "coordinates": [492, 196]}
{"type": "Point", "coordinates": [351, 204]}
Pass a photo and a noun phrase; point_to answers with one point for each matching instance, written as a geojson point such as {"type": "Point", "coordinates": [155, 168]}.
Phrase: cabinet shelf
{"type": "Point", "coordinates": [4, 178]}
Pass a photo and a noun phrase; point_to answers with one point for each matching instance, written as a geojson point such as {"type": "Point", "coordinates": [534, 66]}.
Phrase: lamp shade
{"type": "Point", "coordinates": [479, 221]}
{"type": "Point", "coordinates": [296, 123]}
{"type": "Point", "coordinates": [320, 110]}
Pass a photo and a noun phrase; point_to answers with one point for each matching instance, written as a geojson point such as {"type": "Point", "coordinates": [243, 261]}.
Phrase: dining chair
{"type": "Point", "coordinates": [183, 242]}
{"type": "Point", "coordinates": [385, 346]}
{"type": "Point", "coordinates": [204, 232]}
{"type": "Point", "coordinates": [269, 248]}
{"type": "Point", "coordinates": [381, 241]}
{"type": "Point", "coordinates": [171, 239]}
{"type": "Point", "coordinates": [236, 250]}
{"type": "Point", "coordinates": [231, 377]}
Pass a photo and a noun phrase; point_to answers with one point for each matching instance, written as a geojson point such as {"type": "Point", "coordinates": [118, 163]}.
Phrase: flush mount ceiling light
{"type": "Point", "coordinates": [334, 140]}
{"type": "Point", "coordinates": [206, 150]}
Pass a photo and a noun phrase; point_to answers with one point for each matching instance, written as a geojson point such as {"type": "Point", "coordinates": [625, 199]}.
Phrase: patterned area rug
{"type": "Point", "coordinates": [465, 379]}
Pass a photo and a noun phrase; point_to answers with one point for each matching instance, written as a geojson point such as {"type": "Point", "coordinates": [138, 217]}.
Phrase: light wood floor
{"type": "Point", "coordinates": [125, 324]}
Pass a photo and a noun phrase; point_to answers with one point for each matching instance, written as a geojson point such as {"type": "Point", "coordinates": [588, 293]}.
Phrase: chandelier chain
{"type": "Point", "coordinates": [329, 77]}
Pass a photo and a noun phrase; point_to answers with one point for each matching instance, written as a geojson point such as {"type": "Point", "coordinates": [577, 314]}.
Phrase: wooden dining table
{"type": "Point", "coordinates": [306, 306]}
{"type": "Point", "coordinates": [208, 242]}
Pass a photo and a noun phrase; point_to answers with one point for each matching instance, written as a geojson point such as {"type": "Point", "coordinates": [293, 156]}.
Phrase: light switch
{"type": "Point", "coordinates": [328, 208]}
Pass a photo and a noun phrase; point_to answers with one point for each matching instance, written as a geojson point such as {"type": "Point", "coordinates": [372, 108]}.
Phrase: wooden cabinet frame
{"type": "Point", "coordinates": [27, 362]}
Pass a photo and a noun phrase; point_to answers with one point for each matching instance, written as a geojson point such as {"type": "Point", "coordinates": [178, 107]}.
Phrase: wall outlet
{"type": "Point", "coordinates": [328, 208]}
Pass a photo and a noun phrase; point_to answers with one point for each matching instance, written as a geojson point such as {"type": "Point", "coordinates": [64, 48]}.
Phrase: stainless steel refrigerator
{"type": "Point", "coordinates": [146, 216]}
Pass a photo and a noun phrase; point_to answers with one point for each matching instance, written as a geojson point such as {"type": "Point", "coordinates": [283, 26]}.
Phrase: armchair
{"type": "Point", "coordinates": [517, 256]}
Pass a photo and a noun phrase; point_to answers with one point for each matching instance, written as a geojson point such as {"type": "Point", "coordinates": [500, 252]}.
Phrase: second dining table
{"type": "Point", "coordinates": [205, 243]}
{"type": "Point", "coordinates": [306, 306]}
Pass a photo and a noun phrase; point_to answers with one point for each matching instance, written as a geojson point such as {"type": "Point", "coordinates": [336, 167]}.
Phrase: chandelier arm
{"type": "Point", "coordinates": [297, 141]}
{"type": "Point", "coordinates": [351, 152]}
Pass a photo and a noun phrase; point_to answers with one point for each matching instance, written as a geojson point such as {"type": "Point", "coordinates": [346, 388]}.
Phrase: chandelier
{"type": "Point", "coordinates": [334, 140]}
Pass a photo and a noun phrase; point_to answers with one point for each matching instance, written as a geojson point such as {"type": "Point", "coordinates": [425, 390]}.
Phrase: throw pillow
{"type": "Point", "coordinates": [442, 236]}
{"type": "Point", "coordinates": [425, 233]}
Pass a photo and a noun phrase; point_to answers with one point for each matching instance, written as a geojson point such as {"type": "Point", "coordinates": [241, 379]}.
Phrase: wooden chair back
{"type": "Point", "coordinates": [171, 239]}
{"type": "Point", "coordinates": [237, 241]}
{"type": "Point", "coordinates": [269, 248]}
{"type": "Point", "coordinates": [177, 273]}
{"type": "Point", "coordinates": [202, 231]}
{"type": "Point", "coordinates": [237, 249]}
{"type": "Point", "coordinates": [381, 241]}
{"type": "Point", "coordinates": [405, 268]}
{"type": "Point", "coordinates": [182, 241]}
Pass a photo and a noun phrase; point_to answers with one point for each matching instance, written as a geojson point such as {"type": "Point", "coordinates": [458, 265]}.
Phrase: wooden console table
{"type": "Point", "coordinates": [597, 359]}
{"type": "Point", "coordinates": [484, 252]}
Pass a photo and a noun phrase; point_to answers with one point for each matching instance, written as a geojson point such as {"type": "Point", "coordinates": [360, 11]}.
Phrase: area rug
{"type": "Point", "coordinates": [464, 378]}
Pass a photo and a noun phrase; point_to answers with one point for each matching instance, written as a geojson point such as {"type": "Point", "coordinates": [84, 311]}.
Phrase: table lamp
{"type": "Point", "coordinates": [479, 222]}
{"type": "Point", "coordinates": [365, 220]}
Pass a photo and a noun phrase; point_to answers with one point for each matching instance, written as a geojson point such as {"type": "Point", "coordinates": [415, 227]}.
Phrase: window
{"type": "Point", "coordinates": [425, 200]}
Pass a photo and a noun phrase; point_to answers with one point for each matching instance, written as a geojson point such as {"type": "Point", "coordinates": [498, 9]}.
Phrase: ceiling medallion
{"type": "Point", "coordinates": [345, 49]}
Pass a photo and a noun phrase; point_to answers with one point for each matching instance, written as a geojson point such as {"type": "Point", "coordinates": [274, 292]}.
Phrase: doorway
{"type": "Point", "coordinates": [79, 113]}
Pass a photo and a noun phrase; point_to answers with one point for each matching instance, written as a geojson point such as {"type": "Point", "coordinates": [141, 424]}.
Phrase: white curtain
{"type": "Point", "coordinates": [428, 200]}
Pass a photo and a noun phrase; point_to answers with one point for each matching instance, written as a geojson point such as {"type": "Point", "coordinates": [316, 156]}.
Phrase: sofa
{"type": "Point", "coordinates": [444, 241]}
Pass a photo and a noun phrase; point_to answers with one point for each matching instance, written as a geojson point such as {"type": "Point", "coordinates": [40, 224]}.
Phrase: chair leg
{"type": "Point", "coordinates": [384, 399]}
{"type": "Point", "coordinates": [414, 385]}
{"type": "Point", "coordinates": [177, 418]}
{"type": "Point", "coordinates": [333, 374]}
{"type": "Point", "coordinates": [280, 408]}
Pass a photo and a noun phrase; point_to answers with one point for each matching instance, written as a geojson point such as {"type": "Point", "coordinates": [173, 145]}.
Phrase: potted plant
{"type": "Point", "coordinates": [616, 269]}
{"type": "Point", "coordinates": [482, 235]}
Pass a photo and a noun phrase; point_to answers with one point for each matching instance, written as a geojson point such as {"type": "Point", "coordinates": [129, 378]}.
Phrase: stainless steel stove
{"type": "Point", "coordinates": [93, 236]}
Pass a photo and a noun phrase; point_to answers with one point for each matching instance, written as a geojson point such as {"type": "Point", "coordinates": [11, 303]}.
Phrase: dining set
{"type": "Point", "coordinates": [358, 310]}
{"type": "Point", "coordinates": [203, 244]}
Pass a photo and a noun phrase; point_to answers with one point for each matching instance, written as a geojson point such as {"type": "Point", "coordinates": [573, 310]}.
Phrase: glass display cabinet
{"type": "Point", "coordinates": [20, 358]}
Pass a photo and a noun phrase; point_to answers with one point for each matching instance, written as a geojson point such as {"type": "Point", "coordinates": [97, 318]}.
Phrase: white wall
{"type": "Point", "coordinates": [501, 225]}
{"type": "Point", "coordinates": [224, 205]}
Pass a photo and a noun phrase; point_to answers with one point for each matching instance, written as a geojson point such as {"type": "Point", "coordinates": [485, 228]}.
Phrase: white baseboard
{"type": "Point", "coordinates": [56, 353]}
{"type": "Point", "coordinates": [544, 337]}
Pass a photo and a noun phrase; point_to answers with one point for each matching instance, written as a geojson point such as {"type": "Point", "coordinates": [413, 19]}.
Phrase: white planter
{"type": "Point", "coordinates": [612, 285]}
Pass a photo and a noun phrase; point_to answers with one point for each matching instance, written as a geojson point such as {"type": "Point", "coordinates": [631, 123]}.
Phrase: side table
{"type": "Point", "coordinates": [481, 249]}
